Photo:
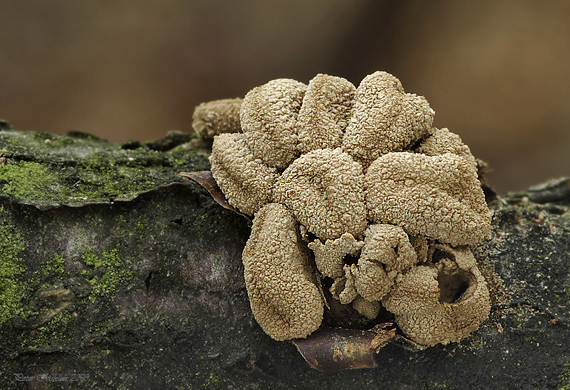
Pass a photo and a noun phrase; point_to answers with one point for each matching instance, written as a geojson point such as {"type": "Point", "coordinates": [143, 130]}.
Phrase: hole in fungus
{"type": "Point", "coordinates": [311, 237]}
{"type": "Point", "coordinates": [440, 255]}
{"type": "Point", "coordinates": [344, 315]}
{"type": "Point", "coordinates": [453, 286]}
{"type": "Point", "coordinates": [350, 259]}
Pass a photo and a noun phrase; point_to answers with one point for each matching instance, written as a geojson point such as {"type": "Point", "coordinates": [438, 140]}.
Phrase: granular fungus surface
{"type": "Point", "coordinates": [357, 201]}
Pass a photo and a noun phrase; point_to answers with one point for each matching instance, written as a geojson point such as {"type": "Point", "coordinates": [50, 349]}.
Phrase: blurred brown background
{"type": "Point", "coordinates": [496, 72]}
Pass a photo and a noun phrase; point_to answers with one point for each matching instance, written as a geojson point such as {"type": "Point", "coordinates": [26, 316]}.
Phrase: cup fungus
{"type": "Point", "coordinates": [442, 301]}
{"type": "Point", "coordinates": [385, 119]}
{"type": "Point", "coordinates": [356, 198]}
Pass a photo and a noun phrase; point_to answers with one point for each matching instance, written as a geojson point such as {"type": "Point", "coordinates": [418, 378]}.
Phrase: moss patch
{"type": "Point", "coordinates": [54, 267]}
{"type": "Point", "coordinates": [107, 272]}
{"type": "Point", "coordinates": [28, 180]}
{"type": "Point", "coordinates": [564, 378]}
{"type": "Point", "coordinates": [47, 170]}
{"type": "Point", "coordinates": [11, 267]}
{"type": "Point", "coordinates": [52, 336]}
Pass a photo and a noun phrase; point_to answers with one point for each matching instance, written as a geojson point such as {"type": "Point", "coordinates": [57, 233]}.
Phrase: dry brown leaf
{"type": "Point", "coordinates": [330, 349]}
{"type": "Point", "coordinates": [206, 180]}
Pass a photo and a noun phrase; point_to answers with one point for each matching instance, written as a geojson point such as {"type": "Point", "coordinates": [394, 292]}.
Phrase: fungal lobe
{"type": "Point", "coordinates": [284, 297]}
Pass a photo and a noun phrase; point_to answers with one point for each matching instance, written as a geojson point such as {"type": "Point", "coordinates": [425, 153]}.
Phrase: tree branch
{"type": "Point", "coordinates": [115, 270]}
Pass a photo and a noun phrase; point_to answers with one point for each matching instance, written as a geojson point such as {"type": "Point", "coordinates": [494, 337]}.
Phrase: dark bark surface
{"type": "Point", "coordinates": [117, 273]}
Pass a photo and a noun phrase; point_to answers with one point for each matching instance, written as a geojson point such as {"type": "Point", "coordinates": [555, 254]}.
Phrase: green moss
{"type": "Point", "coordinates": [11, 267]}
{"type": "Point", "coordinates": [211, 380]}
{"type": "Point", "coordinates": [55, 334]}
{"type": "Point", "coordinates": [121, 180]}
{"type": "Point", "coordinates": [99, 172]}
{"type": "Point", "coordinates": [568, 291]}
{"type": "Point", "coordinates": [54, 267]}
{"type": "Point", "coordinates": [28, 180]}
{"type": "Point", "coordinates": [108, 272]}
{"type": "Point", "coordinates": [437, 385]}
{"type": "Point", "coordinates": [564, 378]}
{"type": "Point", "coordinates": [126, 228]}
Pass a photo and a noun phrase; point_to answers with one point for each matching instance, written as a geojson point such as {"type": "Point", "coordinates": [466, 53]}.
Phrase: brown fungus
{"type": "Point", "coordinates": [366, 308]}
{"type": "Point", "coordinates": [371, 279]}
{"type": "Point", "coordinates": [443, 141]}
{"type": "Point", "coordinates": [269, 120]}
{"type": "Point", "coordinates": [390, 246]}
{"type": "Point", "coordinates": [325, 190]}
{"type": "Point", "coordinates": [360, 177]}
{"type": "Point", "coordinates": [436, 196]}
{"type": "Point", "coordinates": [386, 252]}
{"type": "Point", "coordinates": [330, 256]}
{"type": "Point", "coordinates": [441, 302]}
{"type": "Point", "coordinates": [343, 289]}
{"type": "Point", "coordinates": [217, 117]}
{"type": "Point", "coordinates": [246, 182]}
{"type": "Point", "coordinates": [325, 113]}
{"type": "Point", "coordinates": [384, 119]}
{"type": "Point", "coordinates": [280, 283]}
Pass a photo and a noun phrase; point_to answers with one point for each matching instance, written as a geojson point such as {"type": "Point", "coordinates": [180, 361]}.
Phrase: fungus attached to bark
{"type": "Point", "coordinates": [280, 283]}
{"type": "Point", "coordinates": [352, 187]}
{"type": "Point", "coordinates": [441, 302]}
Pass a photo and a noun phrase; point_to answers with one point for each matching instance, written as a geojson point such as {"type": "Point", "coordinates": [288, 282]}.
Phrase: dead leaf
{"type": "Point", "coordinates": [330, 349]}
{"type": "Point", "coordinates": [206, 180]}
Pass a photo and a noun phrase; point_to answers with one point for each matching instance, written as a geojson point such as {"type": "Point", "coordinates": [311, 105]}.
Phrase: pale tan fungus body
{"type": "Point", "coordinates": [352, 184]}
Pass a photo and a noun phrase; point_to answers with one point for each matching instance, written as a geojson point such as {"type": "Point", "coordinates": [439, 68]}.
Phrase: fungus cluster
{"type": "Point", "coordinates": [356, 198]}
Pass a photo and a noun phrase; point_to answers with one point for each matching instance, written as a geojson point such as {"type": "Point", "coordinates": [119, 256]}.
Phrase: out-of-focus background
{"type": "Point", "coordinates": [496, 72]}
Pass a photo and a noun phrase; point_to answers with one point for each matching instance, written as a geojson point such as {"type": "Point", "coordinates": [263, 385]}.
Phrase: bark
{"type": "Point", "coordinates": [117, 273]}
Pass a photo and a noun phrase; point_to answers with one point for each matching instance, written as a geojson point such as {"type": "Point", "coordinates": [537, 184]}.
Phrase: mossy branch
{"type": "Point", "coordinates": [114, 269]}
